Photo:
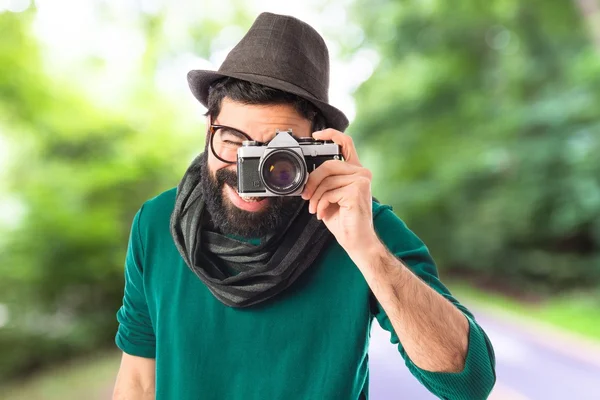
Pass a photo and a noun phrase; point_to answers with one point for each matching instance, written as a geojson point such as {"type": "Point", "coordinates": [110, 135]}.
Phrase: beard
{"type": "Point", "coordinates": [231, 220]}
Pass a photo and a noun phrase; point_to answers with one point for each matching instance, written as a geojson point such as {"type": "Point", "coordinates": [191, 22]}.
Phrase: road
{"type": "Point", "coordinates": [531, 364]}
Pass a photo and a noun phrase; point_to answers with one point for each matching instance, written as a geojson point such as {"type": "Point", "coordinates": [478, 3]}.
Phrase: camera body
{"type": "Point", "coordinates": [281, 167]}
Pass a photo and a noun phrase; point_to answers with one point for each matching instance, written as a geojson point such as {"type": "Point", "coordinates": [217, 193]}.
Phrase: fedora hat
{"type": "Point", "coordinates": [280, 52]}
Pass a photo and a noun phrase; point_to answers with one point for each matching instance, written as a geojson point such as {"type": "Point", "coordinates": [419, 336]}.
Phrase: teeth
{"type": "Point", "coordinates": [250, 199]}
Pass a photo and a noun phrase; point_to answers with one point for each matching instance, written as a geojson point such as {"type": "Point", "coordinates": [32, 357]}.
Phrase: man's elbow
{"type": "Point", "coordinates": [136, 379]}
{"type": "Point", "coordinates": [133, 391]}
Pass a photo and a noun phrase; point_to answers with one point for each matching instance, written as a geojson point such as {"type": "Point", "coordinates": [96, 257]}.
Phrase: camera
{"type": "Point", "coordinates": [281, 167]}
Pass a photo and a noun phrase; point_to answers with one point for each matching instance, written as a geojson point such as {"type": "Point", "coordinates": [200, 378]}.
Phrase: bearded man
{"type": "Point", "coordinates": [237, 297]}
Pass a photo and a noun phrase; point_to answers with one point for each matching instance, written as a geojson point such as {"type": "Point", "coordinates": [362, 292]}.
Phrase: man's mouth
{"type": "Point", "coordinates": [248, 203]}
{"type": "Point", "coordinates": [245, 197]}
{"type": "Point", "coordinates": [251, 199]}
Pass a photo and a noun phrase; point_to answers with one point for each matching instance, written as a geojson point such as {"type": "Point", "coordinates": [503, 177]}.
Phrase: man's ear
{"type": "Point", "coordinates": [208, 124]}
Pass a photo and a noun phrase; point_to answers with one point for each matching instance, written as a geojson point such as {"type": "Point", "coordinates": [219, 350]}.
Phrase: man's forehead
{"type": "Point", "coordinates": [262, 120]}
{"type": "Point", "coordinates": [231, 106]}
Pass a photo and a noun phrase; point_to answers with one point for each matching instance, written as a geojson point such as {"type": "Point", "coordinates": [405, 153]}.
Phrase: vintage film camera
{"type": "Point", "coordinates": [281, 167]}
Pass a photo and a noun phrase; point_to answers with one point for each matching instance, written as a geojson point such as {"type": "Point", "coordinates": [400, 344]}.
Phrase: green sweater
{"type": "Point", "coordinates": [310, 342]}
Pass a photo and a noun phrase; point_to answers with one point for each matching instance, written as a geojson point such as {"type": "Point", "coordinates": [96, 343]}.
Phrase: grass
{"type": "Point", "coordinates": [90, 379]}
{"type": "Point", "coordinates": [578, 314]}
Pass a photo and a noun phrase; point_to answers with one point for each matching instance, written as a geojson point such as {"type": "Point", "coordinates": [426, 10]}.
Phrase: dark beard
{"type": "Point", "coordinates": [230, 220]}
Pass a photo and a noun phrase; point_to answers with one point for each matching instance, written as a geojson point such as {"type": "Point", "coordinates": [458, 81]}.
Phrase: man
{"type": "Point", "coordinates": [229, 297]}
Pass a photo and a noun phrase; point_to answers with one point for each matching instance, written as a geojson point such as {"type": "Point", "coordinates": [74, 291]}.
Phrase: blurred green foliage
{"type": "Point", "coordinates": [483, 123]}
{"type": "Point", "coordinates": [81, 173]}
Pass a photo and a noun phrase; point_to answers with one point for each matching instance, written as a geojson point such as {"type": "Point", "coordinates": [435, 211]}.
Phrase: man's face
{"type": "Point", "coordinates": [229, 212]}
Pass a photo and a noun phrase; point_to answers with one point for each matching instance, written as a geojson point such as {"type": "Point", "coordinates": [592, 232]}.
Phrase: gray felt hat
{"type": "Point", "coordinates": [281, 52]}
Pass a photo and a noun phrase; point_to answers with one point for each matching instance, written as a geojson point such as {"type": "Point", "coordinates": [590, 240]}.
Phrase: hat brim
{"type": "Point", "coordinates": [200, 80]}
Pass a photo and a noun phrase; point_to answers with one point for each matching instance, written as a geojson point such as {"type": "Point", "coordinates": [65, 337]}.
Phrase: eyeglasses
{"type": "Point", "coordinates": [225, 142]}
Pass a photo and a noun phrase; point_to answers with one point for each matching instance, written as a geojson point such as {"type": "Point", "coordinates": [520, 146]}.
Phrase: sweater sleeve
{"type": "Point", "coordinates": [478, 377]}
{"type": "Point", "coordinates": [135, 334]}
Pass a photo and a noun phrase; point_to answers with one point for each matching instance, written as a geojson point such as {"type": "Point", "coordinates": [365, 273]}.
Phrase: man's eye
{"type": "Point", "coordinates": [233, 142]}
{"type": "Point", "coordinates": [231, 136]}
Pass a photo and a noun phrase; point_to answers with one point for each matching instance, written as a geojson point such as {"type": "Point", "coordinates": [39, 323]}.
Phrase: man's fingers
{"type": "Point", "coordinates": [330, 198]}
{"type": "Point", "coordinates": [329, 183]}
{"type": "Point", "coordinates": [341, 139]}
{"type": "Point", "coordinates": [330, 167]}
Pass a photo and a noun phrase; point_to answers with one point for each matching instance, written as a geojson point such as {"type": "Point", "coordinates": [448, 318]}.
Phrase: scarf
{"type": "Point", "coordinates": [259, 272]}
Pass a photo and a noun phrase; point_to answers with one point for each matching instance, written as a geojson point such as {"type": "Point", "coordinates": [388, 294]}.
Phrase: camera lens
{"type": "Point", "coordinates": [283, 172]}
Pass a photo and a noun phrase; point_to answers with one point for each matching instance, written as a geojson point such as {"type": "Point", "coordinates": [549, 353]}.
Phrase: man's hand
{"type": "Point", "coordinates": [340, 194]}
{"type": "Point", "coordinates": [433, 331]}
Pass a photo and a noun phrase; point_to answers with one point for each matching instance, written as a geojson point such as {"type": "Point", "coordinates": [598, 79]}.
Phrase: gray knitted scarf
{"type": "Point", "coordinates": [237, 273]}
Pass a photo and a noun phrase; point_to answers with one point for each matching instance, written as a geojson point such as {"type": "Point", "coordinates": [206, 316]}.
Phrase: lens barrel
{"type": "Point", "coordinates": [283, 171]}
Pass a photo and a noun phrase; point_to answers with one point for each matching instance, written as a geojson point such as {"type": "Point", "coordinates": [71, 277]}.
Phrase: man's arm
{"type": "Point", "coordinates": [432, 330]}
{"type": "Point", "coordinates": [453, 356]}
{"type": "Point", "coordinates": [135, 335]}
{"type": "Point", "coordinates": [422, 316]}
{"type": "Point", "coordinates": [136, 379]}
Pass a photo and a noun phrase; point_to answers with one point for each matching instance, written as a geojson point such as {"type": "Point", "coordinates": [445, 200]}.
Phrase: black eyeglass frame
{"type": "Point", "coordinates": [213, 128]}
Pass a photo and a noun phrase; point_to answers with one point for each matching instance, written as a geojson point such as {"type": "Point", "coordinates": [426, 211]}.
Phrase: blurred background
{"type": "Point", "coordinates": [479, 120]}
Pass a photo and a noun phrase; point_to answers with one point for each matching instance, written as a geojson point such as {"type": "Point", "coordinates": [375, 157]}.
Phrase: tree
{"type": "Point", "coordinates": [82, 169]}
{"type": "Point", "coordinates": [484, 119]}
{"type": "Point", "coordinates": [81, 173]}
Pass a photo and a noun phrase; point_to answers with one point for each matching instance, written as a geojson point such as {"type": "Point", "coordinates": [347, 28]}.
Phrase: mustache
{"type": "Point", "coordinates": [225, 176]}
{"type": "Point", "coordinates": [229, 177]}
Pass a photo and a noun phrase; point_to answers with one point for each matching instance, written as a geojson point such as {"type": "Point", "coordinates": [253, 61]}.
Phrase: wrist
{"type": "Point", "coordinates": [369, 251]}
{"type": "Point", "coordinates": [378, 264]}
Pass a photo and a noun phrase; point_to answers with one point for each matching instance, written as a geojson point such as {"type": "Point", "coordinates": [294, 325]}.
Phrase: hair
{"type": "Point", "coordinates": [255, 94]}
